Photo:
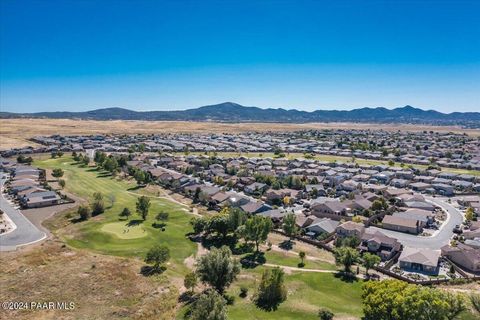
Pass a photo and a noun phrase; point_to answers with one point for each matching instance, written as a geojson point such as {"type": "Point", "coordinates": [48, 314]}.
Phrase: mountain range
{"type": "Point", "coordinates": [233, 112]}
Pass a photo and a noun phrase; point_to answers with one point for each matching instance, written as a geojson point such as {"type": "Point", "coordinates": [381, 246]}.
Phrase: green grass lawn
{"type": "Point", "coordinates": [292, 260]}
{"type": "Point", "coordinates": [307, 292]}
{"type": "Point", "coordinates": [331, 158]}
{"type": "Point", "coordinates": [123, 230]}
{"type": "Point", "coordinates": [83, 181]}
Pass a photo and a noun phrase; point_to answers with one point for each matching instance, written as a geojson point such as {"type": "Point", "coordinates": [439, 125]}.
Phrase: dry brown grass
{"type": "Point", "coordinates": [14, 132]}
{"type": "Point", "coordinates": [102, 287]}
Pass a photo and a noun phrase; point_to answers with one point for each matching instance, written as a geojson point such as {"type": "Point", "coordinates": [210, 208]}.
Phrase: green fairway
{"type": "Point", "coordinates": [105, 233]}
{"type": "Point", "coordinates": [307, 292]}
{"type": "Point", "coordinates": [122, 230]}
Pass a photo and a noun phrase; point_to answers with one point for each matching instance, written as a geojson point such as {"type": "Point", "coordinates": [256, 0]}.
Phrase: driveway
{"type": "Point", "coordinates": [439, 238]}
{"type": "Point", "coordinates": [24, 234]}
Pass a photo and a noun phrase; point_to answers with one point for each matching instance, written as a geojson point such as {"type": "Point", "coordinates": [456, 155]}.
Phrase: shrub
{"type": "Point", "coordinates": [243, 292]}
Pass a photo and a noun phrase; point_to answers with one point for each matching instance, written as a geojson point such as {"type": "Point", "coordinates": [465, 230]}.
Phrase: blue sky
{"type": "Point", "coordinates": [165, 55]}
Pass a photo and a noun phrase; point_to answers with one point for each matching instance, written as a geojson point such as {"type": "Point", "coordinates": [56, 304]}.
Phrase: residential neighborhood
{"type": "Point", "coordinates": [384, 207]}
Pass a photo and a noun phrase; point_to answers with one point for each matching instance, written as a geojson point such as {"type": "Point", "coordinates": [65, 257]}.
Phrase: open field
{"type": "Point", "coordinates": [101, 287]}
{"type": "Point", "coordinates": [14, 132]}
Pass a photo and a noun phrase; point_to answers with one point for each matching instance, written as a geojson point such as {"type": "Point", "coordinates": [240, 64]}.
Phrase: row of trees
{"type": "Point", "coordinates": [81, 158]}
{"type": "Point", "coordinates": [394, 299]}
{"type": "Point", "coordinates": [236, 222]}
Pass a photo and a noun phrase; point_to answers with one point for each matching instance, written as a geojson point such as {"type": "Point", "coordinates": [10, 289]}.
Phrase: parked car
{"type": "Point", "coordinates": [457, 229]}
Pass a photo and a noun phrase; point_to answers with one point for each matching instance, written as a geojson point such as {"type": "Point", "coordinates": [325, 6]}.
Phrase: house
{"type": "Point", "coordinates": [276, 196]}
{"type": "Point", "coordinates": [361, 204]}
{"type": "Point", "coordinates": [350, 229]}
{"type": "Point", "coordinates": [254, 207]}
{"type": "Point", "coordinates": [256, 187]}
{"type": "Point", "coordinates": [380, 244]}
{"type": "Point", "coordinates": [419, 186]}
{"type": "Point", "coordinates": [324, 225]}
{"type": "Point", "coordinates": [467, 201]}
{"type": "Point", "coordinates": [320, 191]}
{"type": "Point", "coordinates": [393, 193]}
{"type": "Point", "coordinates": [419, 260]}
{"type": "Point", "coordinates": [275, 214]}
{"type": "Point", "coordinates": [419, 205]}
{"type": "Point", "coordinates": [401, 224]}
{"type": "Point", "coordinates": [443, 189]}
{"type": "Point", "coordinates": [40, 199]}
{"type": "Point", "coordinates": [331, 209]}
{"type": "Point", "coordinates": [424, 217]}
{"type": "Point", "coordinates": [464, 256]}
{"type": "Point", "coordinates": [220, 198]}
{"type": "Point", "coordinates": [399, 183]}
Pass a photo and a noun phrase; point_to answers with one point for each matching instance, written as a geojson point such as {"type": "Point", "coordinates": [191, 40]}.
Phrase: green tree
{"type": "Point", "coordinates": [302, 255]}
{"type": "Point", "coordinates": [236, 218]}
{"type": "Point", "coordinates": [57, 172]}
{"type": "Point", "coordinates": [379, 204]}
{"type": "Point", "coordinates": [346, 256]}
{"type": "Point", "coordinates": [85, 160]}
{"type": "Point", "coordinates": [398, 300]}
{"type": "Point", "coordinates": [61, 183]}
{"type": "Point", "coordinates": [217, 268]}
{"type": "Point", "coordinates": [370, 260]}
{"type": "Point", "coordinates": [325, 314]}
{"type": "Point", "coordinates": [99, 157]}
{"type": "Point", "coordinates": [190, 281]}
{"type": "Point", "coordinates": [140, 177]}
{"type": "Point", "coordinates": [142, 206]}
{"type": "Point", "coordinates": [126, 213]}
{"type": "Point", "coordinates": [469, 213]}
{"type": "Point", "coordinates": [199, 224]}
{"type": "Point", "coordinates": [289, 225]}
{"type": "Point", "coordinates": [162, 216]}
{"type": "Point", "coordinates": [157, 256]}
{"type": "Point", "coordinates": [257, 229]}
{"type": "Point", "coordinates": [83, 212]}
{"type": "Point", "coordinates": [98, 205]}
{"type": "Point", "coordinates": [271, 290]}
{"type": "Point", "coordinates": [219, 224]}
{"type": "Point", "coordinates": [475, 301]}
{"type": "Point", "coordinates": [110, 164]}
{"type": "Point", "coordinates": [209, 306]}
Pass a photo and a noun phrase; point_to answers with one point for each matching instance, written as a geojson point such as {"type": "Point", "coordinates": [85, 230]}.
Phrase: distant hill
{"type": "Point", "coordinates": [233, 112]}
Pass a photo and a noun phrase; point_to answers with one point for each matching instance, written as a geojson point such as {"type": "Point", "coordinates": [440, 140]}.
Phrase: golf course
{"type": "Point", "coordinates": [131, 238]}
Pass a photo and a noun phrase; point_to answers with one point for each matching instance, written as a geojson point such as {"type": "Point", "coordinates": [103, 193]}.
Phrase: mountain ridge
{"type": "Point", "coordinates": [234, 112]}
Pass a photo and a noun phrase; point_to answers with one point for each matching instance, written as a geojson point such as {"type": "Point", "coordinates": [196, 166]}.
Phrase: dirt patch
{"type": "Point", "coordinates": [312, 252]}
{"type": "Point", "coordinates": [101, 287]}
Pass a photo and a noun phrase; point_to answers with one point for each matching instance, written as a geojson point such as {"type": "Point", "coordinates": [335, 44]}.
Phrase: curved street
{"type": "Point", "coordinates": [24, 234]}
{"type": "Point", "coordinates": [439, 238]}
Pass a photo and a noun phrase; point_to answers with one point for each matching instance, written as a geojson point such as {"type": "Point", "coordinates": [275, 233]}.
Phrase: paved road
{"type": "Point", "coordinates": [24, 234]}
{"type": "Point", "coordinates": [436, 241]}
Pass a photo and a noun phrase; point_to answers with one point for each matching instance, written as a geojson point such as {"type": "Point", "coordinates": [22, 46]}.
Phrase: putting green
{"type": "Point", "coordinates": [123, 231]}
